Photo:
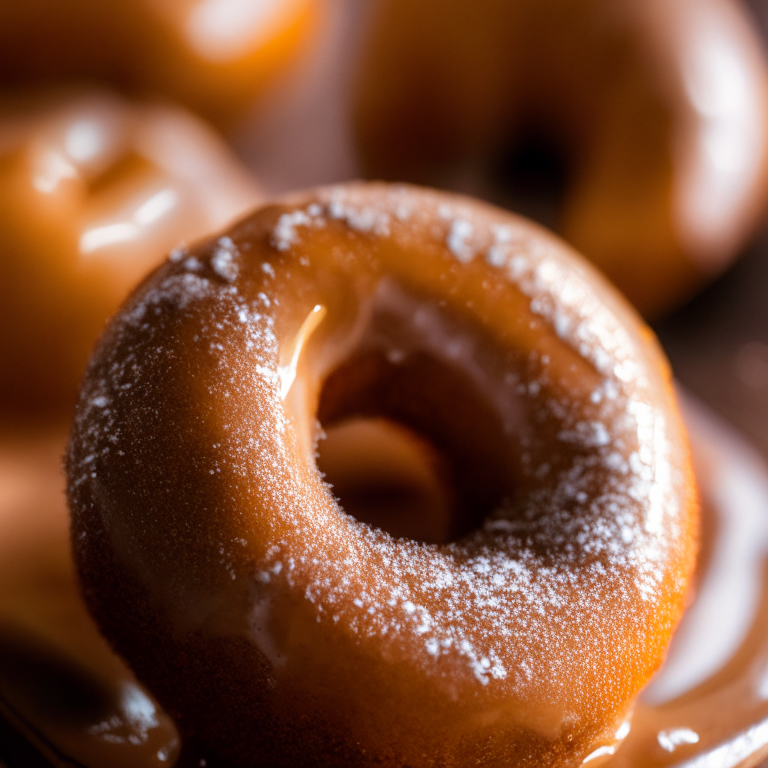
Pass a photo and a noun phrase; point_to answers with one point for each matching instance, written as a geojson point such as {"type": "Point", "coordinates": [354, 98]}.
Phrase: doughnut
{"type": "Point", "coordinates": [645, 121]}
{"type": "Point", "coordinates": [516, 625]}
{"type": "Point", "coordinates": [217, 58]}
{"type": "Point", "coordinates": [93, 190]}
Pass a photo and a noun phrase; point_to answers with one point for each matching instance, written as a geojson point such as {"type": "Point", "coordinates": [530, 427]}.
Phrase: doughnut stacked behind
{"type": "Point", "coordinates": [216, 58]}
{"type": "Point", "coordinates": [93, 191]}
{"type": "Point", "coordinates": [654, 114]}
{"type": "Point", "coordinates": [279, 630]}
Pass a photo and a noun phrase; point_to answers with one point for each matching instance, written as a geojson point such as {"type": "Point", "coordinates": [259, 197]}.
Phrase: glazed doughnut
{"type": "Point", "coordinates": [215, 57]}
{"type": "Point", "coordinates": [279, 630]}
{"type": "Point", "coordinates": [654, 114]}
{"type": "Point", "coordinates": [93, 191]}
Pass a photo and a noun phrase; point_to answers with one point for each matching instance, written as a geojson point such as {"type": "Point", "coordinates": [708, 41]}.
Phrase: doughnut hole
{"type": "Point", "coordinates": [389, 477]}
{"type": "Point", "coordinates": [532, 175]}
{"type": "Point", "coordinates": [412, 448]}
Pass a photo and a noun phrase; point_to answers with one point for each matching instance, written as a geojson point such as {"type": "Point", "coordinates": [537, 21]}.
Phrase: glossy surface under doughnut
{"type": "Point", "coordinates": [60, 683]}
{"type": "Point", "coordinates": [653, 112]}
{"type": "Point", "coordinates": [94, 191]}
{"type": "Point", "coordinates": [279, 630]}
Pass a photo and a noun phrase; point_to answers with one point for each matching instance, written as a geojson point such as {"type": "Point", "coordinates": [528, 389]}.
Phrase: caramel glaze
{"type": "Point", "coordinates": [652, 115]}
{"type": "Point", "coordinates": [94, 191]}
{"type": "Point", "coordinates": [278, 629]}
{"type": "Point", "coordinates": [39, 602]}
{"type": "Point", "coordinates": [216, 58]}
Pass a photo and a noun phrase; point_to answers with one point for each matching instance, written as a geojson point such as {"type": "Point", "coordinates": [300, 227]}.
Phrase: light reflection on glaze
{"type": "Point", "coordinates": [226, 30]}
{"type": "Point", "coordinates": [287, 373]}
{"type": "Point", "coordinates": [671, 740]}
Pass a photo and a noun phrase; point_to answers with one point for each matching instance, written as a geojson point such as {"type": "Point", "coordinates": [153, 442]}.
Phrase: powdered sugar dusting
{"type": "Point", "coordinates": [363, 219]}
{"type": "Point", "coordinates": [458, 240]}
{"type": "Point", "coordinates": [178, 253]}
{"type": "Point", "coordinates": [224, 259]}
{"type": "Point", "coordinates": [285, 233]}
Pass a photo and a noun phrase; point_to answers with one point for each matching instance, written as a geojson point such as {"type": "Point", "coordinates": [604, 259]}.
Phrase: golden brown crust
{"type": "Point", "coordinates": [659, 109]}
{"type": "Point", "coordinates": [281, 631]}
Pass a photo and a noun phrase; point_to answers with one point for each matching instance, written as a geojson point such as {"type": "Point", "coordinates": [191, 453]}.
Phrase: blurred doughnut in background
{"type": "Point", "coordinates": [214, 56]}
{"type": "Point", "coordinates": [638, 130]}
{"type": "Point", "coordinates": [718, 343]}
{"type": "Point", "coordinates": [94, 191]}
